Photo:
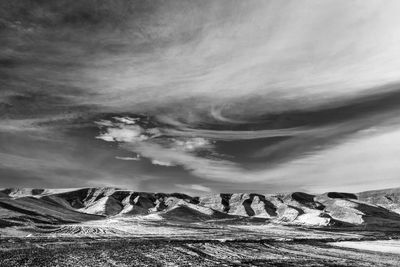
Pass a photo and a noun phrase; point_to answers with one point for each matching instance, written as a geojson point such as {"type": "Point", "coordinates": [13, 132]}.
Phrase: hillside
{"type": "Point", "coordinates": [366, 210]}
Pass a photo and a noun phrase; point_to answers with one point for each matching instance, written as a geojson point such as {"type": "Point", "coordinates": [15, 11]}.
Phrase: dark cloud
{"type": "Point", "coordinates": [223, 96]}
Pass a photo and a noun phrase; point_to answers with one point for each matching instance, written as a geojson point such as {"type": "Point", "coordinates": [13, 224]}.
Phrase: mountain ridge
{"type": "Point", "coordinates": [376, 208]}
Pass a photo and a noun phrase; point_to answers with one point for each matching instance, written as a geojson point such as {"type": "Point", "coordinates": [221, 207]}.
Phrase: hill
{"type": "Point", "coordinates": [368, 210]}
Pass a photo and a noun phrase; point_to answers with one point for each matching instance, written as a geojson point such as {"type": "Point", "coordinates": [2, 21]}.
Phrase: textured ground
{"type": "Point", "coordinates": [156, 252]}
{"type": "Point", "coordinates": [389, 246]}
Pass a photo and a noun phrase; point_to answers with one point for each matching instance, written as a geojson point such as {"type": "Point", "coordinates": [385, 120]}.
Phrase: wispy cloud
{"type": "Point", "coordinates": [234, 92]}
{"type": "Point", "coordinates": [195, 187]}
{"type": "Point", "coordinates": [128, 158]}
{"type": "Point", "coordinates": [162, 163]}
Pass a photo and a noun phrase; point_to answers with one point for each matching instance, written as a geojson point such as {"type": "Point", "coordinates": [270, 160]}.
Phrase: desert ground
{"type": "Point", "coordinates": [113, 227]}
{"type": "Point", "coordinates": [177, 252]}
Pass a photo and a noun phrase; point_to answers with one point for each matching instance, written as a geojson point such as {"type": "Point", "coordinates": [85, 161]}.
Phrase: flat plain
{"type": "Point", "coordinates": [175, 252]}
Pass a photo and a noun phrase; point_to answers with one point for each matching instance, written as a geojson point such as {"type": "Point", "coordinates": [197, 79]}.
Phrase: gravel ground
{"type": "Point", "coordinates": [163, 252]}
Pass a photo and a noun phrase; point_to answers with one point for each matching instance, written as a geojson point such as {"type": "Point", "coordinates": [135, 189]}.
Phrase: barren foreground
{"type": "Point", "coordinates": [156, 252]}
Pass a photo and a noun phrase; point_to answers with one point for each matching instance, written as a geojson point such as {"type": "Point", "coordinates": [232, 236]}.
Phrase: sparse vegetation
{"type": "Point", "coordinates": [164, 252]}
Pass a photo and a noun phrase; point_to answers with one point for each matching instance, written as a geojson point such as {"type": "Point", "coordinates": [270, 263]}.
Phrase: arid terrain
{"type": "Point", "coordinates": [112, 227]}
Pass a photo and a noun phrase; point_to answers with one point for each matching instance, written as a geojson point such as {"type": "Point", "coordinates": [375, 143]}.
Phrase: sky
{"type": "Point", "coordinates": [200, 96]}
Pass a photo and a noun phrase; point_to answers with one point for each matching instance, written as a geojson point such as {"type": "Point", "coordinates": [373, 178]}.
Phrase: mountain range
{"type": "Point", "coordinates": [370, 209]}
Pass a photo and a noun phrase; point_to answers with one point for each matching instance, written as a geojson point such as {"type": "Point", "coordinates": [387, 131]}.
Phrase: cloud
{"type": "Point", "coordinates": [128, 134]}
{"type": "Point", "coordinates": [126, 120]}
{"type": "Point", "coordinates": [195, 187]}
{"type": "Point", "coordinates": [285, 54]}
{"type": "Point", "coordinates": [147, 56]}
{"type": "Point", "coordinates": [162, 163]}
{"type": "Point", "coordinates": [124, 129]}
{"type": "Point", "coordinates": [365, 162]}
{"type": "Point", "coordinates": [128, 158]}
{"type": "Point", "coordinates": [193, 144]}
{"type": "Point", "coordinates": [165, 150]}
{"type": "Point", "coordinates": [228, 91]}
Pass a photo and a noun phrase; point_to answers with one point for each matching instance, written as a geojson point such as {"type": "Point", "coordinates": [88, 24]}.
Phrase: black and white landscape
{"type": "Point", "coordinates": [113, 227]}
{"type": "Point", "coordinates": [260, 120]}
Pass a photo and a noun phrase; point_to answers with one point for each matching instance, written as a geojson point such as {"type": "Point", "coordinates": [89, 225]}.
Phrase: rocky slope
{"type": "Point", "coordinates": [367, 209]}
